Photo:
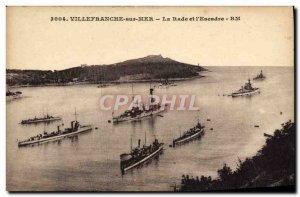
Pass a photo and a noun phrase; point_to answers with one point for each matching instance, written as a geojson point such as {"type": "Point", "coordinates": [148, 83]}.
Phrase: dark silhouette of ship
{"type": "Point", "coordinates": [35, 120]}
{"type": "Point", "coordinates": [75, 129]}
{"type": "Point", "coordinates": [191, 134]}
{"type": "Point", "coordinates": [138, 113]}
{"type": "Point", "coordinates": [13, 95]}
{"type": "Point", "coordinates": [246, 90]}
{"type": "Point", "coordinates": [140, 155]}
{"type": "Point", "coordinates": [260, 76]}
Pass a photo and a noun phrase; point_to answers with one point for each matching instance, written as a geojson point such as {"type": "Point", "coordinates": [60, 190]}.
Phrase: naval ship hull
{"type": "Point", "coordinates": [54, 138]}
{"type": "Point", "coordinates": [140, 162]}
{"type": "Point", "coordinates": [138, 117]}
{"type": "Point", "coordinates": [41, 120]}
{"type": "Point", "coordinates": [197, 135]}
{"type": "Point", "coordinates": [248, 93]}
{"type": "Point", "coordinates": [259, 78]}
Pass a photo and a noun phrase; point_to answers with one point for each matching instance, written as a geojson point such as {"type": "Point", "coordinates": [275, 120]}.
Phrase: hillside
{"type": "Point", "coordinates": [146, 68]}
{"type": "Point", "coordinates": [273, 165]}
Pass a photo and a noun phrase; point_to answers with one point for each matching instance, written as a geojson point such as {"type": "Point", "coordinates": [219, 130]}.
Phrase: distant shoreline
{"type": "Point", "coordinates": [106, 82]}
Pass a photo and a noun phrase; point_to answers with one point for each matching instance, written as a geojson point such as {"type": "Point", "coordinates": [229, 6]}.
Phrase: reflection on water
{"type": "Point", "coordinates": [90, 161]}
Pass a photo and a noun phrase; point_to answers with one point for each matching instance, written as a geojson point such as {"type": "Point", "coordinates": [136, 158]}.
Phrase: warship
{"type": "Point", "coordinates": [76, 128]}
{"type": "Point", "coordinates": [35, 120]}
{"type": "Point", "coordinates": [260, 76]}
{"type": "Point", "coordinates": [13, 95]}
{"type": "Point", "coordinates": [191, 134]}
{"type": "Point", "coordinates": [246, 90]}
{"type": "Point", "coordinates": [138, 113]}
{"type": "Point", "coordinates": [140, 155]}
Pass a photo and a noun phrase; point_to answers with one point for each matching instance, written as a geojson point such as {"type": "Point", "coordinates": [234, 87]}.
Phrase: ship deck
{"type": "Point", "coordinates": [144, 159]}
{"type": "Point", "coordinates": [26, 143]}
{"type": "Point", "coordinates": [176, 141]}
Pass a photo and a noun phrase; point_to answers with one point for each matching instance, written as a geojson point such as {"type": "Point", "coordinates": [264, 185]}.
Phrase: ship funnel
{"type": "Point", "coordinates": [139, 143]}
{"type": "Point", "coordinates": [151, 91]}
{"type": "Point", "coordinates": [72, 125]}
{"type": "Point", "coordinates": [58, 128]}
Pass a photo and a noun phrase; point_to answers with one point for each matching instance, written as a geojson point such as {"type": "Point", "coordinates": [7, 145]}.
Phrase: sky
{"type": "Point", "coordinates": [264, 36]}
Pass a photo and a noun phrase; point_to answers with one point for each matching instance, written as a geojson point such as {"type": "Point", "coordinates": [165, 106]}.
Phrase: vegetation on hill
{"type": "Point", "coordinates": [150, 67]}
{"type": "Point", "coordinates": [273, 165]}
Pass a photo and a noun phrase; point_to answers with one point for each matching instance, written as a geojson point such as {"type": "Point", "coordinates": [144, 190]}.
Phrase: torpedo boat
{"type": "Point", "coordinates": [47, 118]}
{"type": "Point", "coordinates": [140, 155]}
{"type": "Point", "coordinates": [191, 134]}
{"type": "Point", "coordinates": [75, 129]}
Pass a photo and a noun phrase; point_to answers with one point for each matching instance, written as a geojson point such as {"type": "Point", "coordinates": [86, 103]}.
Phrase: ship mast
{"type": "Point", "coordinates": [75, 114]}
{"type": "Point", "coordinates": [150, 96]}
{"type": "Point", "coordinates": [180, 131]}
{"type": "Point", "coordinates": [145, 138]}
{"type": "Point", "coordinates": [44, 127]}
{"type": "Point", "coordinates": [130, 143]}
{"type": "Point", "coordinates": [132, 95]}
{"type": "Point", "coordinates": [132, 91]}
{"type": "Point", "coordinates": [198, 116]}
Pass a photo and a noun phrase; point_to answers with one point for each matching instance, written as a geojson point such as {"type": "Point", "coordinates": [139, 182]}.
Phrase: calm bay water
{"type": "Point", "coordinates": [90, 161]}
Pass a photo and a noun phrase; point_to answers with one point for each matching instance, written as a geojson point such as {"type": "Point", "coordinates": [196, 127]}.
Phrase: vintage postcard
{"type": "Point", "coordinates": [150, 99]}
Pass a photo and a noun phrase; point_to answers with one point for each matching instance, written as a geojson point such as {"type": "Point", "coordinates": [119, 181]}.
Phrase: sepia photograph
{"type": "Point", "coordinates": [150, 99]}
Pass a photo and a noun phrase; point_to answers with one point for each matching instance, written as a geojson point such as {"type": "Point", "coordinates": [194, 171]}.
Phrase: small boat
{"type": "Point", "coordinates": [140, 155]}
{"type": "Point", "coordinates": [256, 126]}
{"type": "Point", "coordinates": [260, 76]}
{"type": "Point", "coordinates": [191, 134]}
{"type": "Point", "coordinates": [47, 118]}
{"type": "Point", "coordinates": [75, 129]}
{"type": "Point", "coordinates": [246, 90]}
{"type": "Point", "coordinates": [13, 95]}
{"type": "Point", "coordinates": [267, 135]}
